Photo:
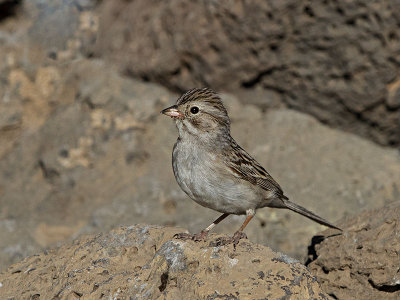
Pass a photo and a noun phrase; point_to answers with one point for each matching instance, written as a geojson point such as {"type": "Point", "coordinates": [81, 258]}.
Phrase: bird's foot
{"type": "Point", "coordinates": [194, 237]}
{"type": "Point", "coordinates": [229, 240]}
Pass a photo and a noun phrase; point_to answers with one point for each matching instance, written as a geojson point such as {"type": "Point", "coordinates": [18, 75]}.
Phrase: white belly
{"type": "Point", "coordinates": [202, 177]}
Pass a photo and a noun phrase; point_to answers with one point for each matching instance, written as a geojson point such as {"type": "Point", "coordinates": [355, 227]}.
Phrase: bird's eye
{"type": "Point", "coordinates": [194, 110]}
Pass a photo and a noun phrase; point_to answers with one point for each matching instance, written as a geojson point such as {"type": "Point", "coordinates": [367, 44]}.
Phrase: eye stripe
{"type": "Point", "coordinates": [219, 120]}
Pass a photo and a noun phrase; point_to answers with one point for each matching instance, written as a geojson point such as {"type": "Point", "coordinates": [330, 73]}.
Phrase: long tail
{"type": "Point", "coordinates": [302, 211]}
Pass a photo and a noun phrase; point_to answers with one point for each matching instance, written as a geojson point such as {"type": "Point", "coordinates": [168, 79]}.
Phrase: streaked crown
{"type": "Point", "coordinates": [211, 99]}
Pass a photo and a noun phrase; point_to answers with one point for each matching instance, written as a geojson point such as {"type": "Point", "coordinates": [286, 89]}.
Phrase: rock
{"type": "Point", "coordinates": [100, 157]}
{"type": "Point", "coordinates": [144, 262]}
{"type": "Point", "coordinates": [40, 33]}
{"type": "Point", "coordinates": [334, 60]}
{"type": "Point", "coordinates": [363, 263]}
{"type": "Point", "coordinates": [34, 37]}
{"type": "Point", "coordinates": [59, 162]}
{"type": "Point", "coordinates": [84, 149]}
{"type": "Point", "coordinates": [60, 31]}
{"type": "Point", "coordinates": [8, 8]}
{"type": "Point", "coordinates": [319, 168]}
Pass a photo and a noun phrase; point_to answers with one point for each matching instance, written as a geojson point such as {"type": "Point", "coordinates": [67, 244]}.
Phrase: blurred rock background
{"type": "Point", "coordinates": [312, 87]}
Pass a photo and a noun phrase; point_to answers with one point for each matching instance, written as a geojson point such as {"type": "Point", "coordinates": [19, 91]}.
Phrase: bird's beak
{"type": "Point", "coordinates": [173, 112]}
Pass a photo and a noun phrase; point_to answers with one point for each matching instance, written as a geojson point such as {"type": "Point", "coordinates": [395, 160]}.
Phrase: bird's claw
{"type": "Point", "coordinates": [194, 237]}
{"type": "Point", "coordinates": [222, 241]}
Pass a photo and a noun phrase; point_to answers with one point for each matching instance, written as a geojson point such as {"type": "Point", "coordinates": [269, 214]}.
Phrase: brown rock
{"type": "Point", "coordinates": [143, 262]}
{"type": "Point", "coordinates": [363, 263]}
{"type": "Point", "coordinates": [333, 60]}
{"type": "Point", "coordinates": [393, 100]}
{"type": "Point", "coordinates": [102, 156]}
{"type": "Point", "coordinates": [9, 8]}
{"type": "Point", "coordinates": [49, 235]}
{"type": "Point", "coordinates": [79, 142]}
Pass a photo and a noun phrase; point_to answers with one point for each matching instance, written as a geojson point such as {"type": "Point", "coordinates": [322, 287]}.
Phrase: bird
{"type": "Point", "coordinates": [214, 171]}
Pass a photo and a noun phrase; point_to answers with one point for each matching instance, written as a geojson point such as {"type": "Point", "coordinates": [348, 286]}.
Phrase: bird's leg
{"type": "Point", "coordinates": [238, 235]}
{"type": "Point", "coordinates": [202, 234]}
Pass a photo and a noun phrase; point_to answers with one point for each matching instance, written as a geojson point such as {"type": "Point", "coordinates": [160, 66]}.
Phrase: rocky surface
{"type": "Point", "coordinates": [142, 262]}
{"type": "Point", "coordinates": [83, 148]}
{"type": "Point", "coordinates": [100, 157]}
{"type": "Point", "coordinates": [336, 60]}
{"type": "Point", "coordinates": [363, 263]}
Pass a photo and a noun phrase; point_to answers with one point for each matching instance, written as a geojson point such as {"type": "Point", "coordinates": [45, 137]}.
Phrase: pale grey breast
{"type": "Point", "coordinates": [209, 183]}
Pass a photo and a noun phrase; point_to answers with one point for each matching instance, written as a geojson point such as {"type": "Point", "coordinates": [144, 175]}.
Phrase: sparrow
{"type": "Point", "coordinates": [214, 171]}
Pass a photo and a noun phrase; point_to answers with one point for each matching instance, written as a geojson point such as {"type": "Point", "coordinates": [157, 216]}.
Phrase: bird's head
{"type": "Point", "coordinates": [199, 113]}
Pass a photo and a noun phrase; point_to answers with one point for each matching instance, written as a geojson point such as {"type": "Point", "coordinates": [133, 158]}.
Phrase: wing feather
{"type": "Point", "coordinates": [247, 168]}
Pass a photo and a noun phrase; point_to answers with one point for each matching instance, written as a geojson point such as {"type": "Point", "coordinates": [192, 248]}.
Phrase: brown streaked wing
{"type": "Point", "coordinates": [247, 168]}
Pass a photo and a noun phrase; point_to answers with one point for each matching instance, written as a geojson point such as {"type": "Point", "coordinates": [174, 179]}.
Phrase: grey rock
{"type": "Point", "coordinates": [363, 263]}
{"type": "Point", "coordinates": [333, 60]}
{"type": "Point", "coordinates": [157, 267]}
{"type": "Point", "coordinates": [102, 158]}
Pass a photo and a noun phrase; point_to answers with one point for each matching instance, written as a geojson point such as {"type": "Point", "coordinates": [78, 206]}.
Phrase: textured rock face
{"type": "Point", "coordinates": [83, 149]}
{"type": "Point", "coordinates": [100, 156]}
{"type": "Point", "coordinates": [337, 60]}
{"type": "Point", "coordinates": [364, 262]}
{"type": "Point", "coordinates": [142, 262]}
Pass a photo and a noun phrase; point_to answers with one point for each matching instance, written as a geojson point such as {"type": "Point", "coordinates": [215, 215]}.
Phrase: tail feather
{"type": "Point", "coordinates": [302, 211]}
